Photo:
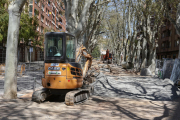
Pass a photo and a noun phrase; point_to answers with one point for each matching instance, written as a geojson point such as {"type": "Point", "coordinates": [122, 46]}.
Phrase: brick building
{"type": "Point", "coordinates": [168, 43]}
{"type": "Point", "coordinates": [51, 16]}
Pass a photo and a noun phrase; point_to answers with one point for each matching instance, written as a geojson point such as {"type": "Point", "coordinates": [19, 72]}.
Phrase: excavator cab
{"type": "Point", "coordinates": [61, 70]}
{"type": "Point", "coordinates": [59, 47]}
{"type": "Point", "coordinates": [62, 75]}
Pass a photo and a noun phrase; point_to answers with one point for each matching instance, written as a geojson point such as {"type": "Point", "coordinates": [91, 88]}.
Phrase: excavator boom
{"type": "Point", "coordinates": [83, 52]}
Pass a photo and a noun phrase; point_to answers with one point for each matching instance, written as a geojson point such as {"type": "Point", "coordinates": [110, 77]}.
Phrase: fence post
{"type": "Point", "coordinates": [34, 87]}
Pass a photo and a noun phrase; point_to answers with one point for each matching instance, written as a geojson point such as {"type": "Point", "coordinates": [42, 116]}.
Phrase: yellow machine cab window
{"type": "Point", "coordinates": [70, 47]}
{"type": "Point", "coordinates": [54, 46]}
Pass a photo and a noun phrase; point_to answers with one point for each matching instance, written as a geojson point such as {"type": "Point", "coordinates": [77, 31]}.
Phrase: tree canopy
{"type": "Point", "coordinates": [27, 29]}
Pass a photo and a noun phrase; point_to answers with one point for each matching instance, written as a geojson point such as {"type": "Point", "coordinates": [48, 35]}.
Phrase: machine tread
{"type": "Point", "coordinates": [36, 96]}
{"type": "Point", "coordinates": [77, 96]}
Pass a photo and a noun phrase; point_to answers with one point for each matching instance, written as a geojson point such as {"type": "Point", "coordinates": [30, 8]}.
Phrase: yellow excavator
{"type": "Point", "coordinates": [63, 74]}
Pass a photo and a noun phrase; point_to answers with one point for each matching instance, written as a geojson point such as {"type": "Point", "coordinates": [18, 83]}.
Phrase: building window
{"type": "Point", "coordinates": [60, 27]}
{"type": "Point", "coordinates": [168, 33]}
{"type": "Point", "coordinates": [53, 18]}
{"type": "Point", "coordinates": [176, 43]}
{"type": "Point", "coordinates": [30, 1]}
{"type": "Point", "coordinates": [46, 21]}
{"type": "Point", "coordinates": [42, 7]}
{"type": "Point", "coordinates": [37, 28]}
{"type": "Point", "coordinates": [162, 45]}
{"type": "Point", "coordinates": [163, 35]}
{"type": "Point", "coordinates": [49, 2]}
{"type": "Point", "coordinates": [30, 10]}
{"type": "Point", "coordinates": [42, 29]}
{"type": "Point", "coordinates": [60, 20]}
{"type": "Point", "coordinates": [53, 9]}
{"type": "Point", "coordinates": [39, 4]}
{"type": "Point", "coordinates": [56, 14]}
{"type": "Point", "coordinates": [168, 44]}
{"type": "Point", "coordinates": [36, 12]}
{"type": "Point", "coordinates": [42, 18]}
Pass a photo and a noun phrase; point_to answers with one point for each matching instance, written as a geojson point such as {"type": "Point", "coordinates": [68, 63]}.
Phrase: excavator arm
{"type": "Point", "coordinates": [82, 52]}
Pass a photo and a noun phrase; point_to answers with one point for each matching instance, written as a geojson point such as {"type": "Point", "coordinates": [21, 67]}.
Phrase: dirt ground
{"type": "Point", "coordinates": [96, 108]}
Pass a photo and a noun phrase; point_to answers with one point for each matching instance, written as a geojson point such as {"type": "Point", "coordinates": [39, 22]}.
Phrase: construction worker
{"type": "Point", "coordinates": [107, 55]}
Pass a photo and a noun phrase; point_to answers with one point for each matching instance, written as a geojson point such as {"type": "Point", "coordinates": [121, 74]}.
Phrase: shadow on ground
{"type": "Point", "coordinates": [96, 108]}
{"type": "Point", "coordinates": [136, 88]}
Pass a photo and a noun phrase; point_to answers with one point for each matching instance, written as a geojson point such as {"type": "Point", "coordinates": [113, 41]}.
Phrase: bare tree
{"type": "Point", "coordinates": [10, 83]}
{"type": "Point", "coordinates": [152, 18]}
{"type": "Point", "coordinates": [76, 13]}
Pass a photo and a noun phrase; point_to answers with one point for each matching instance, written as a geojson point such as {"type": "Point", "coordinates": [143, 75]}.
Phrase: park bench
{"type": "Point", "coordinates": [20, 69]}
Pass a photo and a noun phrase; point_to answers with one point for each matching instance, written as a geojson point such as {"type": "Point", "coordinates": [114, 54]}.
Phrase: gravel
{"type": "Point", "coordinates": [150, 88]}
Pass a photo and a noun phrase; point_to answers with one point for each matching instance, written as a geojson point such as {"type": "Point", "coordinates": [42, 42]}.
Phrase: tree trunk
{"type": "Point", "coordinates": [137, 62]}
{"type": "Point", "coordinates": [152, 66]}
{"type": "Point", "coordinates": [10, 83]}
{"type": "Point", "coordinates": [120, 57]}
{"type": "Point", "coordinates": [144, 54]}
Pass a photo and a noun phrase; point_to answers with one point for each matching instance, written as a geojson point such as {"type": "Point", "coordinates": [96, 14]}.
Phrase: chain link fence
{"type": "Point", "coordinates": [29, 74]}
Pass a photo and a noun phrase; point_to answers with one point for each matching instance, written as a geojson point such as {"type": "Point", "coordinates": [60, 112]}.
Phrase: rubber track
{"type": "Point", "coordinates": [36, 97]}
{"type": "Point", "coordinates": [70, 96]}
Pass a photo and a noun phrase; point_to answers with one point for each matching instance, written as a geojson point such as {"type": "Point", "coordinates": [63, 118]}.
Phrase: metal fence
{"type": "Point", "coordinates": [2, 55]}
{"type": "Point", "coordinates": [164, 67]}
{"type": "Point", "coordinates": [159, 64]}
{"type": "Point", "coordinates": [28, 74]}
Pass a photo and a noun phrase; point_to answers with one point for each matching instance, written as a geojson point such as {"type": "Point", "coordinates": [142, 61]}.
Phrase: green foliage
{"type": "Point", "coordinates": [28, 31]}
{"type": "Point", "coordinates": [96, 52]}
{"type": "Point", "coordinates": [4, 17]}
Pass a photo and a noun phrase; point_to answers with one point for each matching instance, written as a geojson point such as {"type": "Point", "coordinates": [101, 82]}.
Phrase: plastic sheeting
{"type": "Point", "coordinates": [176, 71]}
{"type": "Point", "coordinates": [167, 68]}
